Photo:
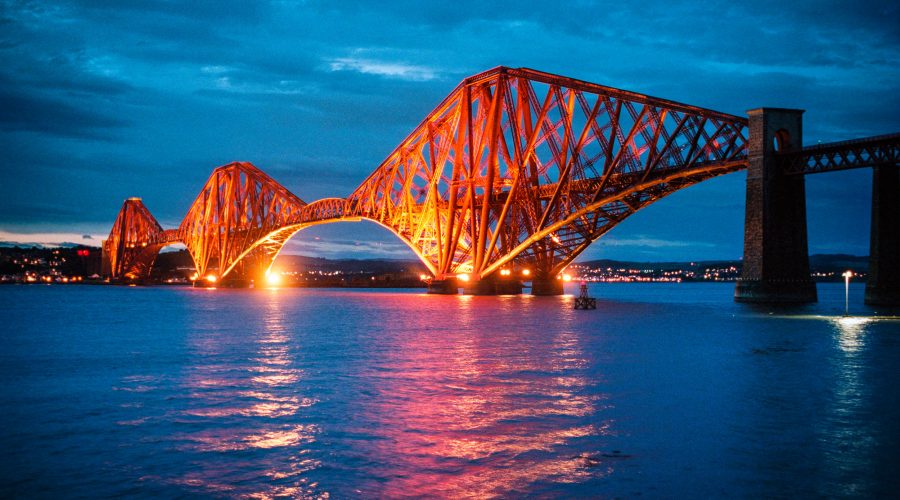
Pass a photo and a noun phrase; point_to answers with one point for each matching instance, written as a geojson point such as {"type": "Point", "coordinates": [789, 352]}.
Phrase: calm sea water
{"type": "Point", "coordinates": [664, 391]}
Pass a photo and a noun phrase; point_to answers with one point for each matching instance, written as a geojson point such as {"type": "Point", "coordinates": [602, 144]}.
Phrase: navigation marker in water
{"type": "Point", "coordinates": [583, 301]}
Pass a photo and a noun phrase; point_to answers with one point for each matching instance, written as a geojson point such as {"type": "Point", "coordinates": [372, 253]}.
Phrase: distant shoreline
{"type": "Point", "coordinates": [82, 264]}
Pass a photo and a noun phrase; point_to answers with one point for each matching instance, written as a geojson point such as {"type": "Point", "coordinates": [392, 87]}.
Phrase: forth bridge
{"type": "Point", "coordinates": [517, 172]}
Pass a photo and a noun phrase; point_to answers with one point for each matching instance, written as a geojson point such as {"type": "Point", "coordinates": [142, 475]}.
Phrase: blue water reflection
{"type": "Point", "coordinates": [663, 391]}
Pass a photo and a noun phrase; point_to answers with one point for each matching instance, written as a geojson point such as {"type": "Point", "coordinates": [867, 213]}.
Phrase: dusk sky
{"type": "Point", "coordinates": [98, 104]}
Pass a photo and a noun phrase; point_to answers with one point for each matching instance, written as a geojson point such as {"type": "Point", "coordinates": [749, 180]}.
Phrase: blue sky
{"type": "Point", "coordinates": [98, 104]}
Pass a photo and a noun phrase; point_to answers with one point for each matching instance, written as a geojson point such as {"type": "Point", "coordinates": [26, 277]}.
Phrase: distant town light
{"type": "Point", "coordinates": [505, 272]}
{"type": "Point", "coordinates": [526, 272]}
{"type": "Point", "coordinates": [273, 279]}
{"type": "Point", "coordinates": [211, 278]}
{"type": "Point", "coordinates": [566, 277]}
{"type": "Point", "coordinates": [462, 277]}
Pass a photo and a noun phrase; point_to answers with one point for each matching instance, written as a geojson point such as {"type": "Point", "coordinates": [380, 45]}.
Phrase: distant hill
{"type": "Point", "coordinates": [829, 262]}
{"type": "Point", "coordinates": [817, 262]}
{"type": "Point", "coordinates": [300, 263]}
{"type": "Point", "coordinates": [620, 264]}
{"type": "Point", "coordinates": [44, 246]}
{"type": "Point", "coordinates": [821, 263]}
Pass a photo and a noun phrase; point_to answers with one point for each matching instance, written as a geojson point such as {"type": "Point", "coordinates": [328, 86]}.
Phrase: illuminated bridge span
{"type": "Point", "coordinates": [516, 169]}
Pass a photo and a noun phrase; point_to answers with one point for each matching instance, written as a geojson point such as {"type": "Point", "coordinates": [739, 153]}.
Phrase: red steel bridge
{"type": "Point", "coordinates": [516, 171]}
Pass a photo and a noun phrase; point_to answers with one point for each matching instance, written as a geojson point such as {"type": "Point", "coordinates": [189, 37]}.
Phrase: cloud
{"type": "Point", "coordinates": [648, 242]}
{"type": "Point", "coordinates": [23, 111]}
{"type": "Point", "coordinates": [392, 70]}
{"type": "Point", "coordinates": [346, 248]}
{"type": "Point", "coordinates": [98, 103]}
{"type": "Point", "coordinates": [281, 87]}
{"type": "Point", "coordinates": [46, 239]}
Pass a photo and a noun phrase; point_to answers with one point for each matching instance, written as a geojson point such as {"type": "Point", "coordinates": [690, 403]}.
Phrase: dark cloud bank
{"type": "Point", "coordinates": [100, 103]}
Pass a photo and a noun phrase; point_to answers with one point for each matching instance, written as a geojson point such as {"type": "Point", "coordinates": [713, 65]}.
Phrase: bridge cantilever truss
{"type": "Point", "coordinates": [515, 168]}
{"type": "Point", "coordinates": [135, 239]}
{"type": "Point", "coordinates": [231, 221]}
{"type": "Point", "coordinates": [522, 167]}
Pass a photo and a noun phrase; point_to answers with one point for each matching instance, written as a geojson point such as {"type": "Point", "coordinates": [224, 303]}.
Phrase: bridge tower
{"type": "Point", "coordinates": [883, 286]}
{"type": "Point", "coordinates": [776, 255]}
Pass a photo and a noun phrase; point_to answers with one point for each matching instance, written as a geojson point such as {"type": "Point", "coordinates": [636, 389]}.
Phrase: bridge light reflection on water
{"type": "Point", "coordinates": [851, 332]}
{"type": "Point", "coordinates": [850, 452]}
{"type": "Point", "coordinates": [670, 390]}
{"type": "Point", "coordinates": [464, 403]}
{"type": "Point", "coordinates": [466, 411]}
{"type": "Point", "coordinates": [255, 407]}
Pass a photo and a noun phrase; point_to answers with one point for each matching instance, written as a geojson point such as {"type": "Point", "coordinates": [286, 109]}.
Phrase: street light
{"type": "Point", "coordinates": [847, 275]}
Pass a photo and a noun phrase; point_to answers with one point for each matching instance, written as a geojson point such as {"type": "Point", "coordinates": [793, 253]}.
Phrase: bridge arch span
{"type": "Point", "coordinates": [257, 260]}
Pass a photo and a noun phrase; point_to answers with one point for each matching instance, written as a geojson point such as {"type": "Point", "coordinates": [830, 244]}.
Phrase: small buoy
{"type": "Point", "coordinates": [583, 301]}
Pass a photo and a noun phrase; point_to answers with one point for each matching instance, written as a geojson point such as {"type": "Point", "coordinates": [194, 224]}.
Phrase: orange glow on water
{"type": "Point", "coordinates": [465, 401]}
{"type": "Point", "coordinates": [453, 400]}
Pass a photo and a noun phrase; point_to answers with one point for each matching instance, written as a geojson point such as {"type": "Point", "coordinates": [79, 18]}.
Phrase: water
{"type": "Point", "coordinates": [665, 390]}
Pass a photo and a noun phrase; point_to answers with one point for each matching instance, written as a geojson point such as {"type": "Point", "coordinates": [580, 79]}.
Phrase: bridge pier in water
{"type": "Point", "coordinates": [493, 285]}
{"type": "Point", "coordinates": [546, 285]}
{"type": "Point", "coordinates": [883, 286]}
{"type": "Point", "coordinates": [776, 255]}
{"type": "Point", "coordinates": [447, 286]}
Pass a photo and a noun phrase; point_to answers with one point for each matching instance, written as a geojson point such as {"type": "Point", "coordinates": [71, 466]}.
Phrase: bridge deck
{"type": "Point", "coordinates": [843, 155]}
